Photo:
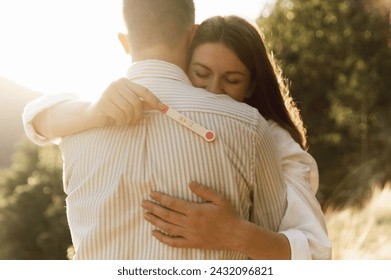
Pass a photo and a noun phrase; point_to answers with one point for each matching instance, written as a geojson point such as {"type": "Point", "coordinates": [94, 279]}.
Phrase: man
{"type": "Point", "coordinates": [109, 171]}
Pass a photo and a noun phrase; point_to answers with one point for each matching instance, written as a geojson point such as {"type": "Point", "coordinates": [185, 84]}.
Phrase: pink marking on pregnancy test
{"type": "Point", "coordinates": [208, 135]}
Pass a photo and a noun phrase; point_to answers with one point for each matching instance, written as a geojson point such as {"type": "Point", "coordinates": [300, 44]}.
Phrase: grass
{"type": "Point", "coordinates": [363, 234]}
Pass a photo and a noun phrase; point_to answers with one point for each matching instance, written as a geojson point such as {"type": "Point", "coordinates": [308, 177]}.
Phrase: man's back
{"type": "Point", "coordinates": [109, 171]}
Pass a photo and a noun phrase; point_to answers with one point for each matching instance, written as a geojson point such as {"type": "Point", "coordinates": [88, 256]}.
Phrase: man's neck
{"type": "Point", "coordinates": [163, 53]}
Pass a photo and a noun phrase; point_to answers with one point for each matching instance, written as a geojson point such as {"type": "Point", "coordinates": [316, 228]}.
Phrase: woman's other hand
{"type": "Point", "coordinates": [183, 224]}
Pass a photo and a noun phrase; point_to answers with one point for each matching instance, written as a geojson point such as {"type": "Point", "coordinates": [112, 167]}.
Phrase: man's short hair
{"type": "Point", "coordinates": [152, 22]}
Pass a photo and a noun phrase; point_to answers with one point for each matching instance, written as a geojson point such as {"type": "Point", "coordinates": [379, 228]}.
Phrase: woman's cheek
{"type": "Point", "coordinates": [197, 82]}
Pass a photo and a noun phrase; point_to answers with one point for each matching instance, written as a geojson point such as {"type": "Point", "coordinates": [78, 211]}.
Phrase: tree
{"type": "Point", "coordinates": [32, 205]}
{"type": "Point", "coordinates": [337, 57]}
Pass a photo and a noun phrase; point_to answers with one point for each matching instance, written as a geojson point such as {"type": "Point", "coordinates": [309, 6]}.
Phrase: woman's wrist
{"type": "Point", "coordinates": [242, 236]}
{"type": "Point", "coordinates": [239, 236]}
{"type": "Point", "coordinates": [94, 117]}
{"type": "Point", "coordinates": [258, 243]}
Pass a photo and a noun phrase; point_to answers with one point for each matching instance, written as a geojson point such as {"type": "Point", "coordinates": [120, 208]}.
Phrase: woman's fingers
{"type": "Point", "coordinates": [163, 213]}
{"type": "Point", "coordinates": [170, 202]}
{"type": "Point", "coordinates": [127, 109]}
{"type": "Point", "coordinates": [206, 193]}
{"type": "Point", "coordinates": [172, 241]}
{"type": "Point", "coordinates": [149, 101]}
{"type": "Point", "coordinates": [112, 112]}
{"type": "Point", "coordinates": [124, 102]}
{"type": "Point", "coordinates": [185, 224]}
{"type": "Point", "coordinates": [163, 225]}
{"type": "Point", "coordinates": [127, 100]}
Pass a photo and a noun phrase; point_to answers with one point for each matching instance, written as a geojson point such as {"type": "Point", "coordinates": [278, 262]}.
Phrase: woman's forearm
{"type": "Point", "coordinates": [66, 118]}
{"type": "Point", "coordinates": [121, 103]}
{"type": "Point", "coordinates": [258, 243]}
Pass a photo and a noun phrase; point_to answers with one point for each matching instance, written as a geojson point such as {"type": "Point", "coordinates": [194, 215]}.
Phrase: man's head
{"type": "Point", "coordinates": [157, 22]}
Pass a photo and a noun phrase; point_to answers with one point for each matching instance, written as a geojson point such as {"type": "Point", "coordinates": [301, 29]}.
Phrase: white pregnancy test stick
{"type": "Point", "coordinates": [208, 135]}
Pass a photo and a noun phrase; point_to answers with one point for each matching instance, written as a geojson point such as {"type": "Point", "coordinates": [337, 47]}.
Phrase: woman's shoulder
{"type": "Point", "coordinates": [285, 142]}
{"type": "Point", "coordinates": [293, 155]}
{"type": "Point", "coordinates": [281, 135]}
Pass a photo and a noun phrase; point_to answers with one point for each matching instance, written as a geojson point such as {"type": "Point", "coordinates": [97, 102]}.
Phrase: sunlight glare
{"type": "Point", "coordinates": [71, 45]}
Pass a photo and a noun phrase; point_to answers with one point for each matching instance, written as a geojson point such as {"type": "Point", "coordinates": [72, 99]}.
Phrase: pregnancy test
{"type": "Point", "coordinates": [208, 135]}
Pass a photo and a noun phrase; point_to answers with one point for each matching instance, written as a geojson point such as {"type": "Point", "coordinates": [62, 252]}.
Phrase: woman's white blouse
{"type": "Point", "coordinates": [303, 224]}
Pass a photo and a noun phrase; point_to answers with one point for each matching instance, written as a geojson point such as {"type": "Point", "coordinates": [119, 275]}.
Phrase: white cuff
{"type": "Point", "coordinates": [300, 249]}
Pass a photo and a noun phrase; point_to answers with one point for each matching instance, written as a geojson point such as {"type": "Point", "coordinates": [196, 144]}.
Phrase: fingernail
{"type": "Point", "coordinates": [153, 194]}
{"type": "Point", "coordinates": [161, 106]}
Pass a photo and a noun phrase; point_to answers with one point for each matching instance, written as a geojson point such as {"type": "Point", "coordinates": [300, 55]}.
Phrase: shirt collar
{"type": "Point", "coordinates": [156, 68]}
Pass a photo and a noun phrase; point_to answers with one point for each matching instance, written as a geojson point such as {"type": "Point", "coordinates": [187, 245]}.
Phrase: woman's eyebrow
{"type": "Point", "coordinates": [228, 72]}
{"type": "Point", "coordinates": [202, 65]}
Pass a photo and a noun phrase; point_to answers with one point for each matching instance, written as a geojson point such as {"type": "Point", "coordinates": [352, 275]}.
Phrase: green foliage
{"type": "Point", "coordinates": [32, 206]}
{"type": "Point", "coordinates": [337, 57]}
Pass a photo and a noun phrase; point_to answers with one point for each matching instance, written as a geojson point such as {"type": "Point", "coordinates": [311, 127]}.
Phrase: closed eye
{"type": "Point", "coordinates": [201, 74]}
{"type": "Point", "coordinates": [232, 82]}
{"type": "Point", "coordinates": [234, 79]}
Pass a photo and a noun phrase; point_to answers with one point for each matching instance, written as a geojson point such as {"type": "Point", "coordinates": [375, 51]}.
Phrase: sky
{"type": "Point", "coordinates": [55, 46]}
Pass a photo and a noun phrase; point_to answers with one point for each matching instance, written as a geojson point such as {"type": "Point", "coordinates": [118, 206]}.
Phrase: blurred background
{"type": "Point", "coordinates": [336, 55]}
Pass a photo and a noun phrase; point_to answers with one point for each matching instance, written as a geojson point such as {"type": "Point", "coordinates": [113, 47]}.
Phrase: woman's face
{"type": "Point", "coordinates": [217, 69]}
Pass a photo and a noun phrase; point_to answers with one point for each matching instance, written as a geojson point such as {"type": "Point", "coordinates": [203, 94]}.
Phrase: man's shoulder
{"type": "Point", "coordinates": [219, 105]}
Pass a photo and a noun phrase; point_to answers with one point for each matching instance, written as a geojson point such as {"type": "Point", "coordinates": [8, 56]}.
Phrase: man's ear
{"type": "Point", "coordinates": [192, 33]}
{"type": "Point", "coordinates": [124, 42]}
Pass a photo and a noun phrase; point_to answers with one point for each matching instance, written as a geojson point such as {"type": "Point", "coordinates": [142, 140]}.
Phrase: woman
{"type": "Point", "coordinates": [262, 85]}
{"type": "Point", "coordinates": [228, 57]}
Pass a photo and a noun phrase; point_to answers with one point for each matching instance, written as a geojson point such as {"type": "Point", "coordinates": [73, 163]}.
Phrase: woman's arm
{"type": "Point", "coordinates": [121, 103]}
{"type": "Point", "coordinates": [303, 223]}
{"type": "Point", "coordinates": [212, 225]}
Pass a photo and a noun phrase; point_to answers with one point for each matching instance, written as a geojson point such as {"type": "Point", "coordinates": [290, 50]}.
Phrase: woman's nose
{"type": "Point", "coordinates": [215, 87]}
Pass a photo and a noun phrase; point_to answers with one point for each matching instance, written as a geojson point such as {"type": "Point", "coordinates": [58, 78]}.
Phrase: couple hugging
{"type": "Point", "coordinates": [141, 186]}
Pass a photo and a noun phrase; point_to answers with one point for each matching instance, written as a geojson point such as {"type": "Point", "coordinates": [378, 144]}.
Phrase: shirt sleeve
{"type": "Point", "coordinates": [303, 223]}
{"type": "Point", "coordinates": [35, 107]}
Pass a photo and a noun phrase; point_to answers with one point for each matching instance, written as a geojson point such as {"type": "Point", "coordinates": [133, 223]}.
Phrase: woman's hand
{"type": "Point", "coordinates": [183, 224]}
{"type": "Point", "coordinates": [123, 103]}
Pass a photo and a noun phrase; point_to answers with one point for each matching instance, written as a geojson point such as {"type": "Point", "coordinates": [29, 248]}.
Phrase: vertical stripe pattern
{"type": "Point", "coordinates": [109, 171]}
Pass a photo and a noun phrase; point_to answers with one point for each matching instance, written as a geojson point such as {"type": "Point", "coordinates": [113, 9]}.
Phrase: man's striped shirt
{"type": "Point", "coordinates": [108, 171]}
